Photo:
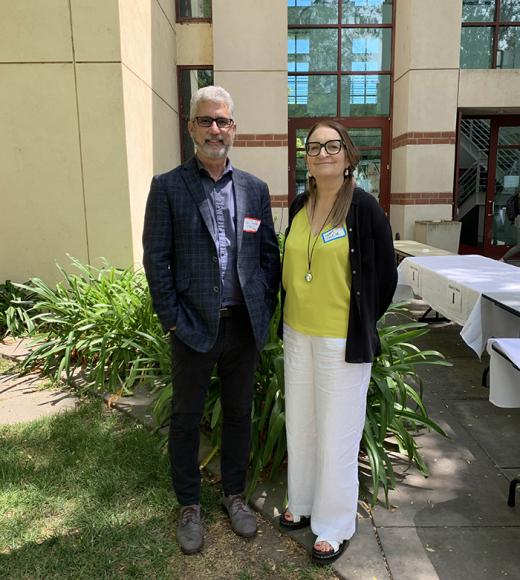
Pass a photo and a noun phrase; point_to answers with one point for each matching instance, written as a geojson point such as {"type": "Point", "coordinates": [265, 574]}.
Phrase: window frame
{"type": "Point", "coordinates": [339, 26]}
{"type": "Point", "coordinates": [184, 116]}
{"type": "Point", "coordinates": [188, 19]}
{"type": "Point", "coordinates": [496, 24]}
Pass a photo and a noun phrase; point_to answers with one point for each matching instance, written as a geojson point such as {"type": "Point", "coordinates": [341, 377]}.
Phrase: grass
{"type": "Point", "coordinates": [86, 494]}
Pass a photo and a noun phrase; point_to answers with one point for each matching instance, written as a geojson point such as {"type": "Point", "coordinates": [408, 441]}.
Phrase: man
{"type": "Point", "coordinates": [212, 262]}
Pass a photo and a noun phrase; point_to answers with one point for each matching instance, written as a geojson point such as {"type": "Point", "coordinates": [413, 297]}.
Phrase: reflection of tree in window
{"type": "Point", "coordinates": [480, 47]}
{"type": "Point", "coordinates": [367, 11]}
{"type": "Point", "coordinates": [190, 80]}
{"type": "Point", "coordinates": [508, 54]}
{"type": "Point", "coordinates": [312, 11]}
{"type": "Point", "coordinates": [363, 89]}
{"type": "Point", "coordinates": [195, 8]}
{"type": "Point", "coordinates": [298, 54]}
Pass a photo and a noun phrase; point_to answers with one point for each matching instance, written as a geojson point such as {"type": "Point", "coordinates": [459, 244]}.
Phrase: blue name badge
{"type": "Point", "coordinates": [333, 234]}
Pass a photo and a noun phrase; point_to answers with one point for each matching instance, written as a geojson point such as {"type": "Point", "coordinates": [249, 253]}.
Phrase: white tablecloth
{"type": "Point", "coordinates": [504, 379]}
{"type": "Point", "coordinates": [452, 285]}
{"type": "Point", "coordinates": [488, 319]}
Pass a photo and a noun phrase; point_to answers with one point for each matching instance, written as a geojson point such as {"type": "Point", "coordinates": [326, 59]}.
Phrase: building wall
{"type": "Point", "coordinates": [426, 62]}
{"type": "Point", "coordinates": [250, 61]}
{"type": "Point", "coordinates": [429, 89]}
{"type": "Point", "coordinates": [88, 111]}
{"type": "Point", "coordinates": [149, 96]}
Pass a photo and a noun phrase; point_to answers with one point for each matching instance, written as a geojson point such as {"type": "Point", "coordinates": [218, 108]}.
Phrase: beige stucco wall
{"type": "Point", "coordinates": [425, 100]}
{"type": "Point", "coordinates": [41, 193]}
{"type": "Point", "coordinates": [250, 60]}
{"type": "Point", "coordinates": [428, 35]}
{"type": "Point", "coordinates": [64, 156]}
{"type": "Point", "coordinates": [35, 31]}
{"type": "Point", "coordinates": [104, 163]}
{"type": "Point", "coordinates": [403, 217]}
{"type": "Point", "coordinates": [499, 89]}
{"type": "Point", "coordinates": [88, 111]}
{"type": "Point", "coordinates": [426, 79]}
{"type": "Point", "coordinates": [149, 94]}
{"type": "Point", "coordinates": [423, 168]}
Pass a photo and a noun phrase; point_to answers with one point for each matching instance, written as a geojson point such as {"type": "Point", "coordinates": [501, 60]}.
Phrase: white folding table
{"type": "Point", "coordinates": [483, 296]}
{"type": "Point", "coordinates": [453, 286]}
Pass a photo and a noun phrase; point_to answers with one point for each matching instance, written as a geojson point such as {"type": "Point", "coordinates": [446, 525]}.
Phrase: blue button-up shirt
{"type": "Point", "coordinates": [221, 196]}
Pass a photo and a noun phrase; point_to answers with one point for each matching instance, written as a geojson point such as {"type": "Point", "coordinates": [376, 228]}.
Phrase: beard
{"type": "Point", "coordinates": [210, 151]}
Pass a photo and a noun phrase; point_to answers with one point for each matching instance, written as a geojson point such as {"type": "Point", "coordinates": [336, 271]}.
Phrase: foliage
{"type": "Point", "coordinates": [102, 321]}
{"type": "Point", "coordinates": [395, 410]}
{"type": "Point", "coordinates": [15, 305]}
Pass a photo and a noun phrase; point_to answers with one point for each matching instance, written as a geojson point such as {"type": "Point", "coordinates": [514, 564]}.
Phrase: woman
{"type": "Point", "coordinates": [339, 276]}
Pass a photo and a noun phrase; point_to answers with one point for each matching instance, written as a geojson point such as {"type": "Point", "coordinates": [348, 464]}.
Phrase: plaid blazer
{"type": "Point", "coordinates": [180, 255]}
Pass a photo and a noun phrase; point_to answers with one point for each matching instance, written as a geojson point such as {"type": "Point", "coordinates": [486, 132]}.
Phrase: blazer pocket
{"type": "Point", "coordinates": [182, 284]}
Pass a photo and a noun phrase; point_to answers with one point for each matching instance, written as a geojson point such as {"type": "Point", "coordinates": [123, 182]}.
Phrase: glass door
{"type": "Point", "coordinates": [488, 174]}
{"type": "Point", "coordinates": [371, 138]}
{"type": "Point", "coordinates": [504, 182]}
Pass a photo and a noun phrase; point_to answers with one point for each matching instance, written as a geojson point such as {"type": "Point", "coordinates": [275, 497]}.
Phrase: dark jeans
{"type": "Point", "coordinates": [236, 357]}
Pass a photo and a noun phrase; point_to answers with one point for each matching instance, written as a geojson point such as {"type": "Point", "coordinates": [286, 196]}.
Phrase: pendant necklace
{"type": "Point", "coordinates": [308, 276]}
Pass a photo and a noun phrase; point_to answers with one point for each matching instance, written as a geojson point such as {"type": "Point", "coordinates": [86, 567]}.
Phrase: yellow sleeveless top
{"type": "Point", "coordinates": [319, 307]}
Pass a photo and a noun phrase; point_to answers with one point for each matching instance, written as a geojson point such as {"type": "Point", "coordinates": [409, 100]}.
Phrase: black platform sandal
{"type": "Point", "coordinates": [291, 524]}
{"type": "Point", "coordinates": [324, 558]}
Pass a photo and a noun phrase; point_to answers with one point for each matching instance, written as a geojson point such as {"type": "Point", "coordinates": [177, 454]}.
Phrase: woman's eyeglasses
{"type": "Point", "coordinates": [333, 147]}
{"type": "Point", "coordinates": [222, 122]}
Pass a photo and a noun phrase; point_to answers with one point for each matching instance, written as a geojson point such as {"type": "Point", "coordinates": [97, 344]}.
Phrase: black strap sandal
{"type": "Point", "coordinates": [324, 558]}
{"type": "Point", "coordinates": [292, 525]}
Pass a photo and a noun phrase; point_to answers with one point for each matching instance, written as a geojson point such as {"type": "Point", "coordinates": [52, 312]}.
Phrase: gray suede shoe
{"type": "Point", "coordinates": [243, 520]}
{"type": "Point", "coordinates": [189, 530]}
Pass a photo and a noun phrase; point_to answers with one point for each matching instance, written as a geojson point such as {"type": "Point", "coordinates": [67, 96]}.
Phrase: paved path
{"type": "Point", "coordinates": [454, 525]}
{"type": "Point", "coordinates": [27, 398]}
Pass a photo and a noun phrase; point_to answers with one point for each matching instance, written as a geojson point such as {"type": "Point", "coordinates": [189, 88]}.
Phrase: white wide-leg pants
{"type": "Point", "coordinates": [325, 400]}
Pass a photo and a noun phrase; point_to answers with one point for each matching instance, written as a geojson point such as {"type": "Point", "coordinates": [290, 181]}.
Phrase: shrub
{"type": "Point", "coordinates": [102, 321]}
{"type": "Point", "coordinates": [15, 307]}
{"type": "Point", "coordinates": [395, 410]}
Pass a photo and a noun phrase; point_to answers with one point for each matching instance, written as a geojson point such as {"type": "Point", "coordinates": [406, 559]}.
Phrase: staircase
{"type": "Point", "coordinates": [474, 142]}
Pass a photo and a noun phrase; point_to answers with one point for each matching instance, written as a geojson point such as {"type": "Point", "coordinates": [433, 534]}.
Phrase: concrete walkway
{"type": "Point", "coordinates": [28, 397]}
{"type": "Point", "coordinates": [453, 525]}
{"type": "Point", "coordinates": [456, 523]}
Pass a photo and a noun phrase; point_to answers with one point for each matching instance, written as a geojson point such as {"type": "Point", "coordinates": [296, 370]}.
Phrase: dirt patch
{"type": "Point", "coordinates": [227, 556]}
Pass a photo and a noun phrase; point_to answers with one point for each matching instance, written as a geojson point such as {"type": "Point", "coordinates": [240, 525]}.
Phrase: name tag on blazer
{"type": "Point", "coordinates": [333, 234]}
{"type": "Point", "coordinates": [251, 225]}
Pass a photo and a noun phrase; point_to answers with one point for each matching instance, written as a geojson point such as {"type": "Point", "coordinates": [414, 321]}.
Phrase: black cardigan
{"type": "Point", "coordinates": [374, 273]}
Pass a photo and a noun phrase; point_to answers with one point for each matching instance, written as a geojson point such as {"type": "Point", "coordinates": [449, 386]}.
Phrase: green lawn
{"type": "Point", "coordinates": [86, 494]}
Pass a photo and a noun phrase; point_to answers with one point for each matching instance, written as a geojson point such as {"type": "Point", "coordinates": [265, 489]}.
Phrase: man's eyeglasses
{"type": "Point", "coordinates": [222, 122]}
{"type": "Point", "coordinates": [333, 147]}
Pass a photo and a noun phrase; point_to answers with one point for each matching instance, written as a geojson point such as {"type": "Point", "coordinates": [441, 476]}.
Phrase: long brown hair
{"type": "Point", "coordinates": [345, 192]}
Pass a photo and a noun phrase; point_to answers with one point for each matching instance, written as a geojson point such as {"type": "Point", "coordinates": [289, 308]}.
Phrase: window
{"type": "Point", "coordinates": [190, 80]}
{"type": "Point", "coordinates": [193, 10]}
{"type": "Point", "coordinates": [490, 36]}
{"type": "Point", "coordinates": [339, 57]}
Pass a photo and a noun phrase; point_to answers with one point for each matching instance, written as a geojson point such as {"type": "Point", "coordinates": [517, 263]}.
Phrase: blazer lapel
{"type": "Point", "coordinates": [194, 185]}
{"type": "Point", "coordinates": [241, 204]}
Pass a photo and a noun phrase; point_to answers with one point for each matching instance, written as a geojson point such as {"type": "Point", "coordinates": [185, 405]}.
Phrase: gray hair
{"type": "Point", "coordinates": [213, 94]}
